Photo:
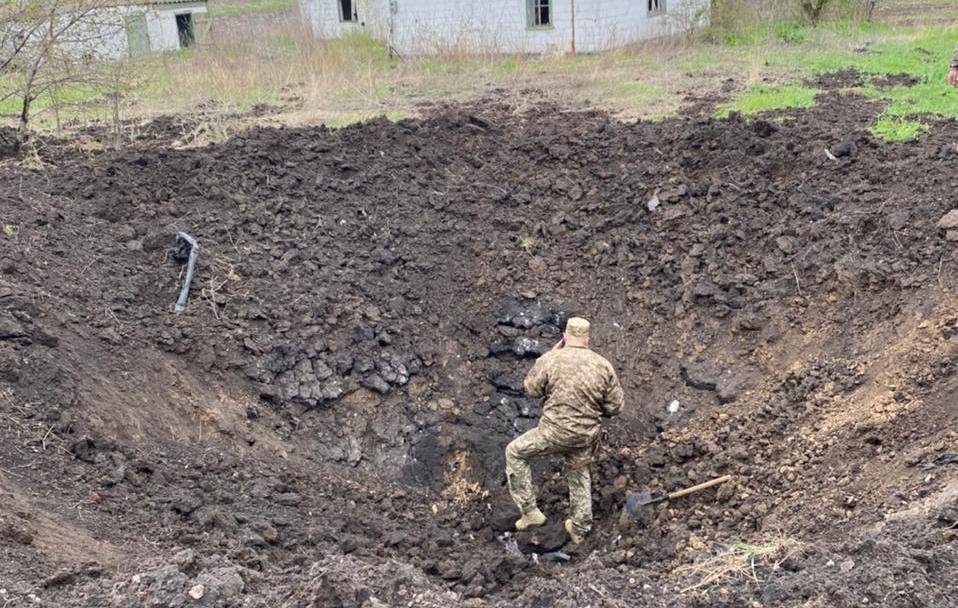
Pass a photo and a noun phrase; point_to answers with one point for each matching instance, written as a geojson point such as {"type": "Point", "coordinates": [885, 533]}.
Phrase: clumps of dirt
{"type": "Point", "coordinates": [8, 142]}
{"type": "Point", "coordinates": [851, 78]}
{"type": "Point", "coordinates": [325, 422]}
{"type": "Point", "coordinates": [189, 580]}
{"type": "Point", "coordinates": [894, 80]}
{"type": "Point", "coordinates": [841, 79]}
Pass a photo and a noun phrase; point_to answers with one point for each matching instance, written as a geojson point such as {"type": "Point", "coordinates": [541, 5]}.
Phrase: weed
{"type": "Point", "coordinates": [930, 98]}
{"type": "Point", "coordinates": [762, 98]}
{"type": "Point", "coordinates": [11, 230]}
{"type": "Point", "coordinates": [891, 128]}
{"type": "Point", "coordinates": [346, 119]}
{"type": "Point", "coordinates": [527, 244]}
{"type": "Point", "coordinates": [740, 560]}
{"type": "Point", "coordinates": [790, 32]}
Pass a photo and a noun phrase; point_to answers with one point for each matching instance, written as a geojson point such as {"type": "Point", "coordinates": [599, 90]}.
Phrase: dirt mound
{"type": "Point", "coordinates": [324, 424]}
{"type": "Point", "coordinates": [840, 79]}
{"type": "Point", "coordinates": [850, 78]}
{"type": "Point", "coordinates": [8, 142]}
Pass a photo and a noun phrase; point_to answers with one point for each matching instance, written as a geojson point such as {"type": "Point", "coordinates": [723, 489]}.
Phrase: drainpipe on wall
{"type": "Point", "coordinates": [572, 10]}
{"type": "Point", "coordinates": [393, 8]}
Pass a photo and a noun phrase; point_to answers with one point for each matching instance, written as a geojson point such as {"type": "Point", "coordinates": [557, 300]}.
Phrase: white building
{"type": "Point", "coordinates": [504, 26]}
{"type": "Point", "coordinates": [144, 27]}
{"type": "Point", "coordinates": [163, 25]}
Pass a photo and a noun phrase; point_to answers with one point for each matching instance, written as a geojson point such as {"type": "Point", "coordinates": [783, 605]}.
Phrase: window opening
{"type": "Point", "coordinates": [184, 28]}
{"type": "Point", "coordinates": [540, 13]}
{"type": "Point", "coordinates": [347, 10]}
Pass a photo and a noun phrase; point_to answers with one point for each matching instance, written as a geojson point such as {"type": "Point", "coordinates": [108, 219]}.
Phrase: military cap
{"type": "Point", "coordinates": [577, 327]}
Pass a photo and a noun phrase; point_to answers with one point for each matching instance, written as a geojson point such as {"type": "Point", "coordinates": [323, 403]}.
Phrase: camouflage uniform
{"type": "Point", "coordinates": [579, 387]}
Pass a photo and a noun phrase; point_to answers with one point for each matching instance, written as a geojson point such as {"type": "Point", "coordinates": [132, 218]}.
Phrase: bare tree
{"type": "Point", "coordinates": [47, 45]}
{"type": "Point", "coordinates": [812, 9]}
{"type": "Point", "coordinates": [688, 16]}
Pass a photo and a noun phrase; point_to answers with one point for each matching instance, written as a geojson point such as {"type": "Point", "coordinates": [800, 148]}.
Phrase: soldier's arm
{"type": "Point", "coordinates": [537, 380]}
{"type": "Point", "coordinates": [614, 399]}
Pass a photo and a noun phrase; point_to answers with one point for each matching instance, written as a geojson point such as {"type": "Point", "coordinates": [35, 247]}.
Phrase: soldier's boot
{"type": "Point", "coordinates": [532, 518]}
{"type": "Point", "coordinates": [574, 536]}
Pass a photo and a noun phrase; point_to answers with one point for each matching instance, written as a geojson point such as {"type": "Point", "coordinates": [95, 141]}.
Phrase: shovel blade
{"type": "Point", "coordinates": [637, 501]}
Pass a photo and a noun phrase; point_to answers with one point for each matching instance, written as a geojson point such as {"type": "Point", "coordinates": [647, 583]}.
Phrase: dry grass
{"type": "Point", "coordinates": [461, 487]}
{"type": "Point", "coordinates": [740, 561]}
{"type": "Point", "coordinates": [342, 81]}
{"type": "Point", "coordinates": [276, 61]}
{"type": "Point", "coordinates": [528, 244]}
{"type": "Point", "coordinates": [338, 82]}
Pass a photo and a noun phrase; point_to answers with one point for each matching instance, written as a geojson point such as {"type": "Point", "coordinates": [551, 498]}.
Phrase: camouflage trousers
{"type": "Point", "coordinates": [531, 445]}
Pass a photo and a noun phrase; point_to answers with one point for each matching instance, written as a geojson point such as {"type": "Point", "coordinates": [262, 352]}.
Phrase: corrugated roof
{"type": "Point", "coordinates": [153, 2]}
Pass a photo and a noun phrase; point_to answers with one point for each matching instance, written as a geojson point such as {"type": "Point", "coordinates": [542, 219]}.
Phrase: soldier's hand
{"type": "Point", "coordinates": [953, 77]}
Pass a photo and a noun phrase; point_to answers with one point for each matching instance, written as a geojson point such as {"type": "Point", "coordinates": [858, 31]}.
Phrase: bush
{"type": "Point", "coordinates": [789, 31]}
{"type": "Point", "coordinates": [813, 9]}
{"type": "Point", "coordinates": [749, 21]}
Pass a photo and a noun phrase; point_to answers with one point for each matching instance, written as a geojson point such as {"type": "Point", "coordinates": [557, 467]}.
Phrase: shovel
{"type": "Point", "coordinates": [637, 500]}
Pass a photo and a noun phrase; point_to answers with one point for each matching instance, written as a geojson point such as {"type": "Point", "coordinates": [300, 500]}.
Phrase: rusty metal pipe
{"type": "Point", "coordinates": [572, 11]}
{"type": "Point", "coordinates": [191, 265]}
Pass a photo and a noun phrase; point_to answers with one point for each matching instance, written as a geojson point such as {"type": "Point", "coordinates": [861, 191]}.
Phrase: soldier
{"type": "Point", "coordinates": [953, 73]}
{"type": "Point", "coordinates": [579, 387]}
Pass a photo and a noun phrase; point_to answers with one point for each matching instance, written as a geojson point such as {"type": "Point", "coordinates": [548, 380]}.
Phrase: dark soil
{"type": "Point", "coordinates": [840, 79]}
{"type": "Point", "coordinates": [850, 78]}
{"type": "Point", "coordinates": [324, 424]}
{"type": "Point", "coordinates": [895, 80]}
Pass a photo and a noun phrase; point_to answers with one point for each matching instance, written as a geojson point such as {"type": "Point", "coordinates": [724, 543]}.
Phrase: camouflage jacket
{"type": "Point", "coordinates": [579, 387]}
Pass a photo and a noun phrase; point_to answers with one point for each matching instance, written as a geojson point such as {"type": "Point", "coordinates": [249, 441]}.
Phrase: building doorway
{"type": "Point", "coordinates": [184, 28]}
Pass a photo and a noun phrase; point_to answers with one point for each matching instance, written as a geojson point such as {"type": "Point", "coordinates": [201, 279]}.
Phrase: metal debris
{"type": "Point", "coordinates": [182, 237]}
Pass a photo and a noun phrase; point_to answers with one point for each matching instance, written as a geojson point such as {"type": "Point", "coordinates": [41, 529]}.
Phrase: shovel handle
{"type": "Point", "coordinates": [699, 488]}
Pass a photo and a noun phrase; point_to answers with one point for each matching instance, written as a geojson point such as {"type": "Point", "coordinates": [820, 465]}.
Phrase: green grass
{"type": "Point", "coordinates": [905, 51]}
{"type": "Point", "coordinates": [875, 50]}
{"type": "Point", "coordinates": [902, 119]}
{"type": "Point", "coordinates": [351, 118]}
{"type": "Point", "coordinates": [70, 95]}
{"type": "Point", "coordinates": [74, 102]}
{"type": "Point", "coordinates": [352, 78]}
{"type": "Point", "coordinates": [898, 129]}
{"type": "Point", "coordinates": [930, 98]}
{"type": "Point", "coordinates": [636, 92]}
{"type": "Point", "coordinates": [224, 9]}
{"type": "Point", "coordinates": [762, 98]}
{"type": "Point", "coordinates": [790, 31]}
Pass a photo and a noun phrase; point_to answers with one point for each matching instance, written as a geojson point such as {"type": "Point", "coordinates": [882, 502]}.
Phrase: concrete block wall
{"type": "Point", "coordinates": [491, 26]}
{"type": "Point", "coordinates": [323, 16]}
{"type": "Point", "coordinates": [495, 26]}
{"type": "Point", "coordinates": [103, 34]}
